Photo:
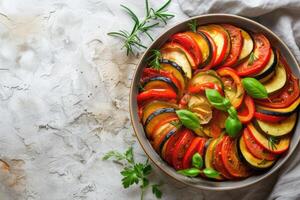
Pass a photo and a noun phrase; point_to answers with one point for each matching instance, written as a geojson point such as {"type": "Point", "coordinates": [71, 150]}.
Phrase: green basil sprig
{"type": "Point", "coordinates": [197, 163]}
{"type": "Point", "coordinates": [232, 124]}
{"type": "Point", "coordinates": [254, 88]}
{"type": "Point", "coordinates": [189, 120]}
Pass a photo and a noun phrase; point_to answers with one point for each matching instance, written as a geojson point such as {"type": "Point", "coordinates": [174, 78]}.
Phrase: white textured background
{"type": "Point", "coordinates": [64, 88]}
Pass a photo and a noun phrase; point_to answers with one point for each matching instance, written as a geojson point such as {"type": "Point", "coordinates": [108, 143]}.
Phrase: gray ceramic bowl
{"type": "Point", "coordinates": [246, 24]}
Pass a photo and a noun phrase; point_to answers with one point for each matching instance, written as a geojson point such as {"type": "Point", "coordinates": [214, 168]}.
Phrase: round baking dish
{"type": "Point", "coordinates": [200, 183]}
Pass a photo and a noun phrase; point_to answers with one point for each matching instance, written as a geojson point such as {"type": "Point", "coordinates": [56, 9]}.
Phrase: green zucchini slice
{"type": "Point", "coordinates": [278, 80]}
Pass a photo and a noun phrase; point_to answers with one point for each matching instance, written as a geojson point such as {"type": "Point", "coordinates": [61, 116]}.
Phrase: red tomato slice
{"type": "Point", "coordinates": [218, 162]}
{"type": "Point", "coordinates": [171, 145]}
{"type": "Point", "coordinates": [256, 149]}
{"type": "Point", "coordinates": [262, 53]}
{"type": "Point", "coordinates": [220, 38]}
{"type": "Point", "coordinates": [181, 147]}
{"type": "Point", "coordinates": [236, 44]}
{"type": "Point", "coordinates": [184, 101]}
{"type": "Point", "coordinates": [156, 94]}
{"type": "Point", "coordinates": [246, 112]}
{"type": "Point", "coordinates": [233, 91]}
{"type": "Point", "coordinates": [190, 45]}
{"type": "Point", "coordinates": [268, 118]}
{"type": "Point", "coordinates": [287, 95]}
{"type": "Point", "coordinates": [201, 146]}
{"type": "Point", "coordinates": [187, 159]}
{"type": "Point", "coordinates": [213, 51]}
{"type": "Point", "coordinates": [231, 160]}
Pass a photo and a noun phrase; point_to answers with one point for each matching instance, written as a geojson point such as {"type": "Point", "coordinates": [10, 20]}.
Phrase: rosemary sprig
{"type": "Point", "coordinates": [132, 39]}
{"type": "Point", "coordinates": [154, 59]}
{"type": "Point", "coordinates": [272, 142]}
{"type": "Point", "coordinates": [193, 25]}
{"type": "Point", "coordinates": [252, 58]}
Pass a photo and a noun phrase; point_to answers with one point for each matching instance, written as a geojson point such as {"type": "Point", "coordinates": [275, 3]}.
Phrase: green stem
{"type": "Point", "coordinates": [142, 193]}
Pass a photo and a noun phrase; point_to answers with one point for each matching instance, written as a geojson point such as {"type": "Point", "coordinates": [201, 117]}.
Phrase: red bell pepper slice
{"type": "Point", "coordinates": [246, 113]}
{"type": "Point", "coordinates": [268, 118]}
{"type": "Point", "coordinates": [201, 88]}
{"type": "Point", "coordinates": [156, 94]}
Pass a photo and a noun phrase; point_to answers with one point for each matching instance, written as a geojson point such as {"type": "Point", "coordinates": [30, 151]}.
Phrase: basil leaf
{"type": "Point", "coordinates": [232, 112]}
{"type": "Point", "coordinates": [188, 119]}
{"type": "Point", "coordinates": [214, 96]}
{"type": "Point", "coordinates": [232, 126]}
{"type": "Point", "coordinates": [197, 160]}
{"type": "Point", "coordinates": [254, 88]}
{"type": "Point", "coordinates": [192, 172]}
{"type": "Point", "coordinates": [211, 173]}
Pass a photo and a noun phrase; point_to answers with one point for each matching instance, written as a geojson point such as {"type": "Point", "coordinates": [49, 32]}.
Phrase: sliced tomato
{"type": "Point", "coordinates": [170, 145]}
{"type": "Point", "coordinates": [257, 62]}
{"type": "Point", "coordinates": [287, 95]}
{"type": "Point", "coordinates": [255, 148]}
{"type": "Point", "coordinates": [213, 52]}
{"type": "Point", "coordinates": [236, 40]}
{"type": "Point", "coordinates": [181, 147]}
{"type": "Point", "coordinates": [246, 112]}
{"type": "Point", "coordinates": [221, 39]}
{"type": "Point", "coordinates": [233, 87]}
{"type": "Point", "coordinates": [201, 146]}
{"type": "Point", "coordinates": [231, 160]}
{"type": "Point", "coordinates": [218, 162]}
{"type": "Point", "coordinates": [268, 118]}
{"type": "Point", "coordinates": [190, 46]}
{"type": "Point", "coordinates": [187, 159]}
{"type": "Point", "coordinates": [195, 89]}
{"type": "Point", "coordinates": [156, 94]}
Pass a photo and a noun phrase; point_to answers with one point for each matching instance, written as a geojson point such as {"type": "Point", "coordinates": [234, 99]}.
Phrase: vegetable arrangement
{"type": "Point", "coordinates": [219, 102]}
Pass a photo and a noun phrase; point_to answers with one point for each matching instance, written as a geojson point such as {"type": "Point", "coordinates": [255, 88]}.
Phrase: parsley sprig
{"type": "Point", "coordinates": [132, 39]}
{"type": "Point", "coordinates": [134, 173]}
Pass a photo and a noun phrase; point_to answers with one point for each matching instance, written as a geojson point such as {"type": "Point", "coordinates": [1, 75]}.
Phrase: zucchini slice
{"type": "Point", "coordinates": [278, 80]}
{"type": "Point", "coordinates": [279, 111]}
{"type": "Point", "coordinates": [175, 69]}
{"type": "Point", "coordinates": [272, 144]}
{"type": "Point", "coordinates": [269, 68]}
{"type": "Point", "coordinates": [159, 82]}
{"type": "Point", "coordinates": [248, 46]}
{"type": "Point", "coordinates": [175, 53]}
{"type": "Point", "coordinates": [153, 106]}
{"type": "Point", "coordinates": [252, 161]}
{"type": "Point", "coordinates": [277, 129]}
{"type": "Point", "coordinates": [206, 77]}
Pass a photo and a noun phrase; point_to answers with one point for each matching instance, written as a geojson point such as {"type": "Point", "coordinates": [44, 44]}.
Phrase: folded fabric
{"type": "Point", "coordinates": [283, 18]}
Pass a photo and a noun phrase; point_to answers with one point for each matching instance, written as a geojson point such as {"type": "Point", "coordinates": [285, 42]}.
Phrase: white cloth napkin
{"type": "Point", "coordinates": [282, 17]}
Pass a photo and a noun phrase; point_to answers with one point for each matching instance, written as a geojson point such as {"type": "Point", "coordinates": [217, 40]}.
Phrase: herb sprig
{"type": "Point", "coordinates": [272, 142]}
{"type": "Point", "coordinates": [193, 25]}
{"type": "Point", "coordinates": [132, 39]}
{"type": "Point", "coordinates": [134, 173]}
{"type": "Point", "coordinates": [154, 59]}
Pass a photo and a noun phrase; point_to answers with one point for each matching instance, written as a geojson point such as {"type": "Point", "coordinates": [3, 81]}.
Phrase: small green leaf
{"type": "Point", "coordinates": [216, 99]}
{"type": "Point", "coordinates": [254, 88]}
{"type": "Point", "coordinates": [193, 25]}
{"type": "Point", "coordinates": [197, 161]}
{"type": "Point", "coordinates": [233, 126]}
{"type": "Point", "coordinates": [129, 155]}
{"type": "Point", "coordinates": [147, 169]}
{"type": "Point", "coordinates": [130, 176]}
{"type": "Point", "coordinates": [211, 173]}
{"type": "Point", "coordinates": [113, 154]}
{"type": "Point", "coordinates": [252, 58]}
{"type": "Point", "coordinates": [188, 119]}
{"type": "Point", "coordinates": [192, 172]}
{"type": "Point", "coordinates": [232, 112]}
{"type": "Point", "coordinates": [156, 191]}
